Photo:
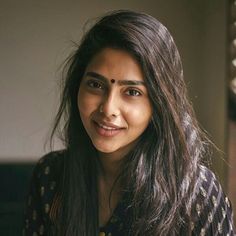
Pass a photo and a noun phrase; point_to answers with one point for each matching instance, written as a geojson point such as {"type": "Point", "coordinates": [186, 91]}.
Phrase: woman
{"type": "Point", "coordinates": [132, 162]}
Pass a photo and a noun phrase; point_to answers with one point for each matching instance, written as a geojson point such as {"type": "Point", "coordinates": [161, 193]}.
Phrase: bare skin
{"type": "Point", "coordinates": [115, 110]}
{"type": "Point", "coordinates": [107, 203]}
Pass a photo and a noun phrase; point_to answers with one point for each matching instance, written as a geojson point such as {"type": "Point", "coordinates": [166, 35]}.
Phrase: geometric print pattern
{"type": "Point", "coordinates": [211, 210]}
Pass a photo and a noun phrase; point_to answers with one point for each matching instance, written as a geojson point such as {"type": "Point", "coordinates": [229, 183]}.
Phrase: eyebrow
{"type": "Point", "coordinates": [120, 82]}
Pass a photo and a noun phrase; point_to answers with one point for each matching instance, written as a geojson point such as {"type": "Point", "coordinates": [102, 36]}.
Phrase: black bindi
{"type": "Point", "coordinates": [113, 81]}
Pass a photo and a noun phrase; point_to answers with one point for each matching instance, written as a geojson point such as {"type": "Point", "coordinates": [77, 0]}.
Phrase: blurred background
{"type": "Point", "coordinates": [35, 39]}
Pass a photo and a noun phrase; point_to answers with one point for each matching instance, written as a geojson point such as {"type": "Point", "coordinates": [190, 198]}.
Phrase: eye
{"type": "Point", "coordinates": [95, 84]}
{"type": "Point", "coordinates": [133, 92]}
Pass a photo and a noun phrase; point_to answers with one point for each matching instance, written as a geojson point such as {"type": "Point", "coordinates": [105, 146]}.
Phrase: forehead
{"type": "Point", "coordinates": [115, 64]}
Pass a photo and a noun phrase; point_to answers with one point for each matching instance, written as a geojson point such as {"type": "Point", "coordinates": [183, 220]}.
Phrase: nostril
{"type": "Point", "coordinates": [109, 108]}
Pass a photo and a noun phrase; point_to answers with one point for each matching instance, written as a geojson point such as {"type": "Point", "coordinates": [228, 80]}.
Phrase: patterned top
{"type": "Point", "coordinates": [211, 208]}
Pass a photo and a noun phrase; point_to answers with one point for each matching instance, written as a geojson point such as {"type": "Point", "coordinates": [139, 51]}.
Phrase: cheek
{"type": "Point", "coordinates": [81, 102]}
{"type": "Point", "coordinates": [85, 103]}
{"type": "Point", "coordinates": [139, 116]}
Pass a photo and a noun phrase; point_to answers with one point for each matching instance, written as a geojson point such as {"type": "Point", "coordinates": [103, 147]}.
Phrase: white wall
{"type": "Point", "coordinates": [35, 39]}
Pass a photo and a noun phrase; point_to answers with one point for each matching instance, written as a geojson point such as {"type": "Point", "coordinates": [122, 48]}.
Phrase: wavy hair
{"type": "Point", "coordinates": [161, 171]}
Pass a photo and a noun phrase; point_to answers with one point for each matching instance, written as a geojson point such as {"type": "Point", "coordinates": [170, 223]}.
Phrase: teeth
{"type": "Point", "coordinates": [106, 127]}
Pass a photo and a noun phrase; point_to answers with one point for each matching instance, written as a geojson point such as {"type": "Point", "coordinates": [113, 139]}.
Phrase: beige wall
{"type": "Point", "coordinates": [35, 38]}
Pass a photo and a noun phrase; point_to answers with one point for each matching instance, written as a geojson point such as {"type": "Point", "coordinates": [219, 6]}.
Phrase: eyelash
{"type": "Point", "coordinates": [94, 84]}
{"type": "Point", "coordinates": [137, 92]}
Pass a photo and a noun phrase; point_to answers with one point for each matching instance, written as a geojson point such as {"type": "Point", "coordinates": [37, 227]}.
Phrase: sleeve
{"type": "Point", "coordinates": [40, 194]}
{"type": "Point", "coordinates": [211, 212]}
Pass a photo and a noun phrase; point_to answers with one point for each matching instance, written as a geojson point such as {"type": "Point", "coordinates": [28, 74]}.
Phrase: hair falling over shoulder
{"type": "Point", "coordinates": [161, 171]}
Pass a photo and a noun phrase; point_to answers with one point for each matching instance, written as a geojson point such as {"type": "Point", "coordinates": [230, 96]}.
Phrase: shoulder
{"type": "Point", "coordinates": [50, 164]}
{"type": "Point", "coordinates": [46, 175]}
{"type": "Point", "coordinates": [211, 209]}
{"type": "Point", "coordinates": [43, 187]}
{"type": "Point", "coordinates": [51, 158]}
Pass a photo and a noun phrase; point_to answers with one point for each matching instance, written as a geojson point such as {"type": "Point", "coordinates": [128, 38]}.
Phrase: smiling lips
{"type": "Point", "coordinates": [107, 130]}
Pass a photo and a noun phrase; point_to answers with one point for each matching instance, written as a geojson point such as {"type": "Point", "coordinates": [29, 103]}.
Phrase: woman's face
{"type": "Point", "coordinates": [113, 101]}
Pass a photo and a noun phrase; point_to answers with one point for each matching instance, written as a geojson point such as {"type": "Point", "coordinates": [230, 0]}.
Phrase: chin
{"type": "Point", "coordinates": [105, 150]}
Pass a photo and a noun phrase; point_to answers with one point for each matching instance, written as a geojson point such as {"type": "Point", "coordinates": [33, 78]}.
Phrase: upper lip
{"type": "Point", "coordinates": [108, 124]}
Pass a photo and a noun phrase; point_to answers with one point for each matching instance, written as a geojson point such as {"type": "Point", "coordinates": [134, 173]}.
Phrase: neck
{"type": "Point", "coordinates": [110, 167]}
{"type": "Point", "coordinates": [111, 163]}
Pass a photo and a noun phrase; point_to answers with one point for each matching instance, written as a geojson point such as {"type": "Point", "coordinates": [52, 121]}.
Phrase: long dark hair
{"type": "Point", "coordinates": [162, 169]}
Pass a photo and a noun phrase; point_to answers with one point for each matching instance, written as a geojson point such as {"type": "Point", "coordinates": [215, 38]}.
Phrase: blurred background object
{"type": "Point", "coordinates": [36, 37]}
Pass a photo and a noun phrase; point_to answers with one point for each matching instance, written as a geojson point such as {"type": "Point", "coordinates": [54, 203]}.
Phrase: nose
{"type": "Point", "coordinates": [110, 105]}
